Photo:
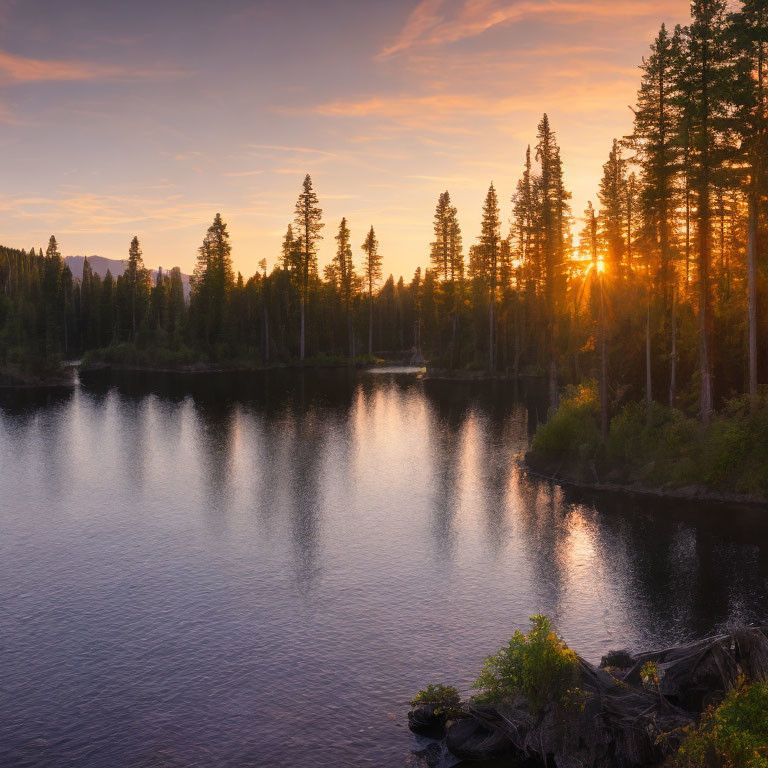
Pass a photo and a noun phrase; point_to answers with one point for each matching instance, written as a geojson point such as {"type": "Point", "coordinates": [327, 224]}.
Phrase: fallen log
{"type": "Point", "coordinates": [631, 713]}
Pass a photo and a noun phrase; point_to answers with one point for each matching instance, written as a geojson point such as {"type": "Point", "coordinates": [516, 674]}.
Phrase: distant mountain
{"type": "Point", "coordinates": [100, 265]}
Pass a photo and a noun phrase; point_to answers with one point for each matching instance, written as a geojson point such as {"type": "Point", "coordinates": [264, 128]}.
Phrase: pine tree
{"type": "Point", "coordinates": [490, 243]}
{"type": "Point", "coordinates": [612, 205]}
{"type": "Point", "coordinates": [135, 275]}
{"type": "Point", "coordinates": [455, 247]}
{"type": "Point", "coordinates": [372, 273]}
{"type": "Point", "coordinates": [588, 235]}
{"type": "Point", "coordinates": [52, 299]}
{"type": "Point", "coordinates": [524, 223]}
{"type": "Point", "coordinates": [212, 282]}
{"type": "Point", "coordinates": [308, 221]}
{"type": "Point", "coordinates": [657, 151]}
{"type": "Point", "coordinates": [289, 254]}
{"type": "Point", "coordinates": [554, 213]}
{"type": "Point", "coordinates": [706, 70]}
{"type": "Point", "coordinates": [750, 28]}
{"type": "Point", "coordinates": [345, 270]}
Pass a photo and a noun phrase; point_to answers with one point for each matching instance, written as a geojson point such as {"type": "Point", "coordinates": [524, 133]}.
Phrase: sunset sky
{"type": "Point", "coordinates": [146, 118]}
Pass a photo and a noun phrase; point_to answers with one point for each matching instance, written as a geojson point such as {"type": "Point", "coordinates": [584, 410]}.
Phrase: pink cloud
{"type": "Point", "coordinates": [425, 27]}
{"type": "Point", "coordinates": [22, 69]}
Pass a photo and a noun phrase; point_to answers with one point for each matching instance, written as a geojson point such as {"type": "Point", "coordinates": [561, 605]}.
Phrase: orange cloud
{"type": "Point", "coordinates": [426, 27]}
{"type": "Point", "coordinates": [459, 112]}
{"type": "Point", "coordinates": [298, 150]}
{"type": "Point", "coordinates": [21, 69]}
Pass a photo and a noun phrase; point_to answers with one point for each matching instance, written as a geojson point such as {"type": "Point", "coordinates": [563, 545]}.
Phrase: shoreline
{"type": "Point", "coordinates": [687, 493]}
{"type": "Point", "coordinates": [14, 378]}
{"type": "Point", "coordinates": [204, 368]}
{"type": "Point", "coordinates": [446, 374]}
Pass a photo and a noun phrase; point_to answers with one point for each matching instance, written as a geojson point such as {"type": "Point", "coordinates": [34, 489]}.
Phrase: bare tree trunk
{"type": "Point", "coordinates": [66, 330]}
{"type": "Point", "coordinates": [491, 361]}
{"type": "Point", "coordinates": [673, 356]}
{"type": "Point", "coordinates": [301, 342]}
{"type": "Point", "coordinates": [648, 380]}
{"type": "Point", "coordinates": [266, 334]}
{"type": "Point", "coordinates": [553, 399]}
{"type": "Point", "coordinates": [603, 370]}
{"type": "Point", "coordinates": [517, 339]}
{"type": "Point", "coordinates": [370, 324]}
{"type": "Point", "coordinates": [351, 333]}
{"type": "Point", "coordinates": [705, 362]}
{"type": "Point", "coordinates": [751, 280]}
{"type": "Point", "coordinates": [454, 322]}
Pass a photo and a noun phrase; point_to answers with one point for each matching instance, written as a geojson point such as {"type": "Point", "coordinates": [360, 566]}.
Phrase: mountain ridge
{"type": "Point", "coordinates": [101, 264]}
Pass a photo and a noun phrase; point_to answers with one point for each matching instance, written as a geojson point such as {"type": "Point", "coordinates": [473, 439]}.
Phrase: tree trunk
{"type": "Point", "coordinates": [301, 342]}
{"type": "Point", "coordinates": [454, 321]}
{"type": "Point", "coordinates": [491, 343]}
{"type": "Point", "coordinates": [351, 332]}
{"type": "Point", "coordinates": [553, 385]}
{"type": "Point", "coordinates": [751, 281]}
{"type": "Point", "coordinates": [705, 362]}
{"type": "Point", "coordinates": [648, 380]}
{"type": "Point", "coordinates": [370, 324]}
{"type": "Point", "coordinates": [266, 335]}
{"type": "Point", "coordinates": [673, 356]}
{"type": "Point", "coordinates": [603, 370]}
{"type": "Point", "coordinates": [516, 364]}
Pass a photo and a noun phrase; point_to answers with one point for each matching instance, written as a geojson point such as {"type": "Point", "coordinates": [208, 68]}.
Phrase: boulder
{"type": "Point", "coordinates": [427, 720]}
{"type": "Point", "coordinates": [620, 659]}
{"type": "Point", "coordinates": [470, 739]}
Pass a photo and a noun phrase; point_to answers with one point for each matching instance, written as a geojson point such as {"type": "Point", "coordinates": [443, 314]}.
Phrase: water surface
{"type": "Point", "coordinates": [261, 569]}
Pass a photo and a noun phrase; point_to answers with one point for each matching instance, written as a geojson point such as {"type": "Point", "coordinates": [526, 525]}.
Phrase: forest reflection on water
{"type": "Point", "coordinates": [260, 569]}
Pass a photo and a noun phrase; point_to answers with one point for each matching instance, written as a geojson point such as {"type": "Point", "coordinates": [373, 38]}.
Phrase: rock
{"type": "Point", "coordinates": [427, 720]}
{"type": "Point", "coordinates": [620, 659]}
{"type": "Point", "coordinates": [469, 739]}
{"type": "Point", "coordinates": [431, 756]}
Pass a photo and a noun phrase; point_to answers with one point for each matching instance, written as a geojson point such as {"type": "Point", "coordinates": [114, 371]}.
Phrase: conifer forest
{"type": "Point", "coordinates": [658, 291]}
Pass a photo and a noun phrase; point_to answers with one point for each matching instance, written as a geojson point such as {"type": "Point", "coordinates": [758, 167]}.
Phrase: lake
{"type": "Point", "coordinates": [262, 569]}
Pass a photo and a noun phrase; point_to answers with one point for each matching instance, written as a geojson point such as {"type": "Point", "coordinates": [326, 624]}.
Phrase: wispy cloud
{"type": "Point", "coordinates": [22, 69]}
{"type": "Point", "coordinates": [241, 174]}
{"type": "Point", "coordinates": [296, 150]}
{"type": "Point", "coordinates": [459, 112]}
{"type": "Point", "coordinates": [426, 25]}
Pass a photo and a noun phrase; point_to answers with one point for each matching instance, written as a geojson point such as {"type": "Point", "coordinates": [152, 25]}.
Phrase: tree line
{"type": "Point", "coordinates": [657, 291]}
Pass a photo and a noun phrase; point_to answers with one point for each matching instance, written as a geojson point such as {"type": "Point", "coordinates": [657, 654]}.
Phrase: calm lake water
{"type": "Point", "coordinates": [260, 570]}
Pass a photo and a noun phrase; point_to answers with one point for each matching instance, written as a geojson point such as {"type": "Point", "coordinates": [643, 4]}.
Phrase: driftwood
{"type": "Point", "coordinates": [626, 721]}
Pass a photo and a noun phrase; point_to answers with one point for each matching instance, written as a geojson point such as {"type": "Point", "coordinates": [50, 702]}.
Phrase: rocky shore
{"type": "Point", "coordinates": [634, 710]}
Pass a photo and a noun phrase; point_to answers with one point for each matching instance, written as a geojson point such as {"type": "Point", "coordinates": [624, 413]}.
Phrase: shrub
{"type": "Point", "coordinates": [734, 735]}
{"type": "Point", "coordinates": [573, 430]}
{"type": "Point", "coordinates": [539, 665]}
{"type": "Point", "coordinates": [437, 694]}
{"type": "Point", "coordinates": [445, 699]}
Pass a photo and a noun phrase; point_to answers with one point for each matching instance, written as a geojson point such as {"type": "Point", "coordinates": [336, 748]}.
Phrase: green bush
{"type": "Point", "coordinates": [539, 665]}
{"type": "Point", "coordinates": [734, 735]}
{"type": "Point", "coordinates": [129, 354]}
{"type": "Point", "coordinates": [444, 695]}
{"type": "Point", "coordinates": [663, 448]}
{"type": "Point", "coordinates": [572, 432]}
